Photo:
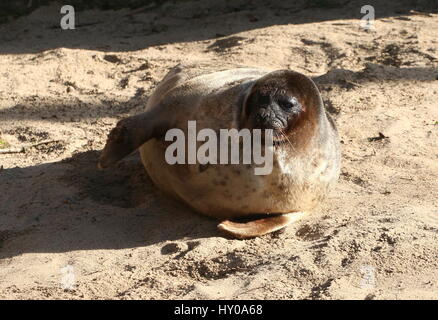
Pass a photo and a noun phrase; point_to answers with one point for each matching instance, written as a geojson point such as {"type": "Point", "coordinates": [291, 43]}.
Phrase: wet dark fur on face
{"type": "Point", "coordinates": [281, 102]}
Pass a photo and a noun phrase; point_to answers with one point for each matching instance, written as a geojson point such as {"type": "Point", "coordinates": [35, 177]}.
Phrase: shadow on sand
{"type": "Point", "coordinates": [70, 205]}
{"type": "Point", "coordinates": [183, 21]}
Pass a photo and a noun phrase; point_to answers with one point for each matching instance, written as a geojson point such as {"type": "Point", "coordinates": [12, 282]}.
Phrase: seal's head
{"type": "Point", "coordinates": [285, 101]}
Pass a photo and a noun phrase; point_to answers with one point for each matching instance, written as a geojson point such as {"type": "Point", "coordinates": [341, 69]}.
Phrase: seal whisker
{"type": "Point", "coordinates": [284, 135]}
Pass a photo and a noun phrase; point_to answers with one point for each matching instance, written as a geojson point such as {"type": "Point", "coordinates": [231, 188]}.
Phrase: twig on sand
{"type": "Point", "coordinates": [378, 138]}
{"type": "Point", "coordinates": [25, 147]}
{"type": "Point", "coordinates": [142, 9]}
{"type": "Point", "coordinates": [12, 150]}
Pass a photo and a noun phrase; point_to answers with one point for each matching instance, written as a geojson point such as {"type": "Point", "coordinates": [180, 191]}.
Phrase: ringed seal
{"type": "Point", "coordinates": [306, 150]}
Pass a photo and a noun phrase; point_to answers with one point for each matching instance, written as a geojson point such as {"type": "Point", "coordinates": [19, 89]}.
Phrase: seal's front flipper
{"type": "Point", "coordinates": [129, 134]}
{"type": "Point", "coordinates": [258, 227]}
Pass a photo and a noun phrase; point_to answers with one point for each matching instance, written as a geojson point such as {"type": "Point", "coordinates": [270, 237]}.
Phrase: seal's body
{"type": "Point", "coordinates": [306, 158]}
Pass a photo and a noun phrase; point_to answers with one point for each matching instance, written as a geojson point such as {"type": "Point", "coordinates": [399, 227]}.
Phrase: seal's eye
{"type": "Point", "coordinates": [291, 105]}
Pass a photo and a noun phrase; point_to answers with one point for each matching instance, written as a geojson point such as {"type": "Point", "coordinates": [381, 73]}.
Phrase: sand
{"type": "Point", "coordinates": [69, 231]}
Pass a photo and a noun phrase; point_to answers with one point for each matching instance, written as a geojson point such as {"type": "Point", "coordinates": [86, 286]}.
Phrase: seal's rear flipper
{"type": "Point", "coordinates": [259, 227]}
{"type": "Point", "coordinates": [129, 134]}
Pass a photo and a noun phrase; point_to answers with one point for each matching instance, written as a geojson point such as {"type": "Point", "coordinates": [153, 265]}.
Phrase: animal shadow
{"type": "Point", "coordinates": [71, 205]}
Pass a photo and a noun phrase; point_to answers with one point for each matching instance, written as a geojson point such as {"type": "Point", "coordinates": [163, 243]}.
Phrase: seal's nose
{"type": "Point", "coordinates": [266, 119]}
{"type": "Point", "coordinates": [262, 117]}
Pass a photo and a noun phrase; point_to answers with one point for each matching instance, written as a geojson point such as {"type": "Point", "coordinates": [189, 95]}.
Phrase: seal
{"type": "Point", "coordinates": [306, 149]}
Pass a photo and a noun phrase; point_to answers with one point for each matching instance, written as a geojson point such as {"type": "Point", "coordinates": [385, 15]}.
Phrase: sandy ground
{"type": "Point", "coordinates": [68, 231]}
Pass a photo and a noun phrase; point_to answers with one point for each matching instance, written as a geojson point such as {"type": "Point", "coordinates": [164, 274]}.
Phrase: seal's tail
{"type": "Point", "coordinates": [259, 227]}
